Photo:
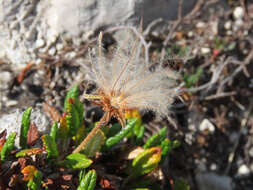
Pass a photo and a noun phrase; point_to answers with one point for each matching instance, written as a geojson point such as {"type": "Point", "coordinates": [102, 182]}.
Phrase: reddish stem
{"type": "Point", "coordinates": [101, 122]}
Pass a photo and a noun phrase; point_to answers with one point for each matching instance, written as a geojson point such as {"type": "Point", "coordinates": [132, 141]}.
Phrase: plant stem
{"type": "Point", "coordinates": [101, 122]}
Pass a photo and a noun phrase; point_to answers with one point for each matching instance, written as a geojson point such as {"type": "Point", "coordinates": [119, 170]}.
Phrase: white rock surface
{"type": "Point", "coordinates": [12, 122]}
{"type": "Point", "coordinates": [30, 24]}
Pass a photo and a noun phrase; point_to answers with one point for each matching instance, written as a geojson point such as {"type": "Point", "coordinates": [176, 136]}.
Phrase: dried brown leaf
{"type": "Point", "coordinates": [67, 177]}
{"type": "Point", "coordinates": [33, 134]}
{"type": "Point", "coordinates": [22, 74]}
{"type": "Point", "coordinates": [22, 162]}
{"type": "Point", "coordinates": [51, 112]}
{"type": "Point", "coordinates": [2, 138]}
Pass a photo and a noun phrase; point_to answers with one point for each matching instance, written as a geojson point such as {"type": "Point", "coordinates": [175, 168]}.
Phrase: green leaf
{"type": "Point", "coordinates": [166, 147]}
{"type": "Point", "coordinates": [63, 131]}
{"type": "Point", "coordinates": [175, 144]}
{"type": "Point", "coordinates": [156, 139]}
{"type": "Point", "coordinates": [29, 152]}
{"type": "Point", "coordinates": [80, 110]}
{"type": "Point", "coordinates": [73, 93]}
{"type": "Point", "coordinates": [50, 145]}
{"type": "Point", "coordinates": [88, 182]}
{"type": "Point", "coordinates": [123, 133]}
{"type": "Point", "coordinates": [54, 131]}
{"type": "Point", "coordinates": [191, 80]}
{"type": "Point", "coordinates": [35, 183]}
{"type": "Point", "coordinates": [140, 134]}
{"type": "Point", "coordinates": [180, 184]}
{"type": "Point", "coordinates": [76, 161]}
{"type": "Point", "coordinates": [74, 118]}
{"type": "Point", "coordinates": [25, 124]}
{"type": "Point", "coordinates": [8, 146]}
{"type": "Point", "coordinates": [80, 134]}
{"type": "Point", "coordinates": [146, 161]}
{"type": "Point", "coordinates": [134, 114]}
{"type": "Point", "coordinates": [94, 144]}
{"type": "Point", "coordinates": [137, 126]}
{"type": "Point", "coordinates": [114, 129]}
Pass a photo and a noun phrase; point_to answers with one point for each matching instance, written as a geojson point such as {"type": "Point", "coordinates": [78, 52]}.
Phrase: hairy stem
{"type": "Point", "coordinates": [101, 122]}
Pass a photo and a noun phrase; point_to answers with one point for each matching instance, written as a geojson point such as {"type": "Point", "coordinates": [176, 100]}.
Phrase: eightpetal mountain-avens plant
{"type": "Point", "coordinates": [126, 82]}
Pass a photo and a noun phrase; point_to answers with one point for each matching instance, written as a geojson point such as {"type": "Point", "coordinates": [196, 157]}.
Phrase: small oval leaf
{"type": "Point", "coordinates": [76, 161]}
{"type": "Point", "coordinates": [146, 161]}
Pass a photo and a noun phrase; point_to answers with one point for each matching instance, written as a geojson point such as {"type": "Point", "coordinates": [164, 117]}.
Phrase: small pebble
{"type": "Point", "coordinates": [59, 46]}
{"type": "Point", "coordinates": [71, 55]}
{"type": "Point", "coordinates": [245, 32]}
{"type": "Point", "coordinates": [38, 61]}
{"type": "Point", "coordinates": [238, 24]}
{"type": "Point", "coordinates": [190, 34]}
{"type": "Point", "coordinates": [229, 32]}
{"type": "Point", "coordinates": [5, 76]}
{"type": "Point", "coordinates": [39, 43]}
{"type": "Point", "coordinates": [228, 25]}
{"type": "Point", "coordinates": [200, 25]}
{"type": "Point", "coordinates": [213, 166]}
{"type": "Point", "coordinates": [192, 127]}
{"type": "Point", "coordinates": [238, 13]}
{"type": "Point", "coordinates": [189, 138]}
{"type": "Point", "coordinates": [52, 51]}
{"type": "Point", "coordinates": [243, 170]}
{"type": "Point", "coordinates": [205, 50]}
{"type": "Point", "coordinates": [52, 85]}
{"type": "Point", "coordinates": [155, 33]}
{"type": "Point", "coordinates": [206, 125]}
{"type": "Point", "coordinates": [245, 51]}
{"type": "Point", "coordinates": [4, 99]}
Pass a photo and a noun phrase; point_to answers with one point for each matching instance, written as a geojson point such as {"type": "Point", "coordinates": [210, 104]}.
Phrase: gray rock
{"type": "Point", "coordinates": [24, 23]}
{"type": "Point", "coordinates": [212, 181]}
{"type": "Point", "coordinates": [12, 122]}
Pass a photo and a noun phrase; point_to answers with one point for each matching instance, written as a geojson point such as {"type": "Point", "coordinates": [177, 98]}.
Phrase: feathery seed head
{"type": "Point", "coordinates": [126, 82]}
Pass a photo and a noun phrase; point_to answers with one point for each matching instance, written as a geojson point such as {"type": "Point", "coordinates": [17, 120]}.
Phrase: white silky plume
{"type": "Point", "coordinates": [131, 80]}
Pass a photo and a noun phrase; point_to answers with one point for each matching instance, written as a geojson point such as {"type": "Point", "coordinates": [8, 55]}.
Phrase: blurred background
{"type": "Point", "coordinates": [43, 52]}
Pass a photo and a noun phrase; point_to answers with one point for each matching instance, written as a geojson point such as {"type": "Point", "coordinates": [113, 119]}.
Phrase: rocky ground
{"type": "Point", "coordinates": [211, 47]}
